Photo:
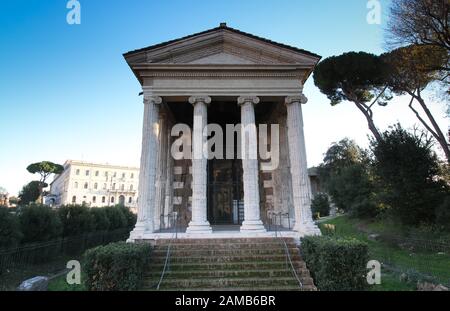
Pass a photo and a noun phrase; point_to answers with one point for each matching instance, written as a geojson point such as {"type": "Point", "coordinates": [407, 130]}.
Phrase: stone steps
{"type": "Point", "coordinates": [223, 252]}
{"type": "Point", "coordinates": [227, 274]}
{"type": "Point", "coordinates": [227, 258]}
{"type": "Point", "coordinates": [227, 264]}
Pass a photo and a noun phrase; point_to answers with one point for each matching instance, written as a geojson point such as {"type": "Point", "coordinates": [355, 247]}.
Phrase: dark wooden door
{"type": "Point", "coordinates": [225, 194]}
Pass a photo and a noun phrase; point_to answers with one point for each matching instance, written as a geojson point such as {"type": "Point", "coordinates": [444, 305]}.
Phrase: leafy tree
{"type": "Point", "coordinates": [30, 192]}
{"type": "Point", "coordinates": [45, 169]}
{"type": "Point", "coordinates": [407, 170]}
{"type": "Point", "coordinates": [39, 223]}
{"type": "Point", "coordinates": [345, 173]}
{"type": "Point", "coordinates": [410, 70]}
{"type": "Point", "coordinates": [320, 205]}
{"type": "Point", "coordinates": [355, 77]}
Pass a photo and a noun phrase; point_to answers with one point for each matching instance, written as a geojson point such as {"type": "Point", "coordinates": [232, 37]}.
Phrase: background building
{"type": "Point", "coordinates": [94, 185]}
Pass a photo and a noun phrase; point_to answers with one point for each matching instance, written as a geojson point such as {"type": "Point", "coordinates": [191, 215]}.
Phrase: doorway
{"type": "Point", "coordinates": [225, 192]}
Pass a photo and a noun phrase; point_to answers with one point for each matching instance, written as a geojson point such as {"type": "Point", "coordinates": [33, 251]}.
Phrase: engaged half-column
{"type": "Point", "coordinates": [147, 175]}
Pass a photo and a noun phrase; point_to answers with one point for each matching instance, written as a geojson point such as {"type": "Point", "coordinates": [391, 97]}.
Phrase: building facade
{"type": "Point", "coordinates": [223, 76]}
{"type": "Point", "coordinates": [96, 185]}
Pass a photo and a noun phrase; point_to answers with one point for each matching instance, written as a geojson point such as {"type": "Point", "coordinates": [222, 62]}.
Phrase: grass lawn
{"type": "Point", "coordinates": [410, 263]}
{"type": "Point", "coordinates": [60, 284]}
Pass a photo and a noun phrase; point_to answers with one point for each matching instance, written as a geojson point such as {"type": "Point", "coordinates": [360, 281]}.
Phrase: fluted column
{"type": "Point", "coordinates": [147, 175]}
{"type": "Point", "coordinates": [199, 222]}
{"type": "Point", "coordinates": [299, 169]}
{"type": "Point", "coordinates": [252, 220]}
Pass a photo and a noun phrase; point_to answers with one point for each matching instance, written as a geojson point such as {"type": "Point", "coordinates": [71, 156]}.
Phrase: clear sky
{"type": "Point", "coordinates": [67, 93]}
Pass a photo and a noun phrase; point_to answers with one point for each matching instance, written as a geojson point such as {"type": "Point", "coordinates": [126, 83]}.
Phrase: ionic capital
{"type": "Point", "coordinates": [248, 99]}
{"type": "Point", "coordinates": [302, 99]}
{"type": "Point", "coordinates": [200, 99]}
{"type": "Point", "coordinates": [152, 100]}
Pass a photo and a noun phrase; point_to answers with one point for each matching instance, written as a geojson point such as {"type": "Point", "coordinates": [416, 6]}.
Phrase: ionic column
{"type": "Point", "coordinates": [299, 169]}
{"type": "Point", "coordinates": [249, 146]}
{"type": "Point", "coordinates": [147, 175]}
{"type": "Point", "coordinates": [199, 222]}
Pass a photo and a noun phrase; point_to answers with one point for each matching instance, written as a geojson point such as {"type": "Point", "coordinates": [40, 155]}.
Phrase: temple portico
{"type": "Point", "coordinates": [224, 77]}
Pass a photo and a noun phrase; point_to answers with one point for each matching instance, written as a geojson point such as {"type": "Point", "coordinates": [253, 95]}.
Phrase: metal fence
{"type": "Point", "coordinates": [42, 253]}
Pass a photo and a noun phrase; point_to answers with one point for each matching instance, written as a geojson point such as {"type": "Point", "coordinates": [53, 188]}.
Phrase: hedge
{"type": "Point", "coordinates": [336, 264]}
{"type": "Point", "coordinates": [116, 266]}
{"type": "Point", "coordinates": [76, 219]}
{"type": "Point", "coordinates": [39, 223]}
{"type": "Point", "coordinates": [10, 233]}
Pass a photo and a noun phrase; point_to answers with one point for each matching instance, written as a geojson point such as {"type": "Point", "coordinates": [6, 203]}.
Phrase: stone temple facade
{"type": "Point", "coordinates": [225, 77]}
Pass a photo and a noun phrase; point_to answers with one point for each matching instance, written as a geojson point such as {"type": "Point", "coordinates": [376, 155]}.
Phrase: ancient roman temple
{"type": "Point", "coordinates": [245, 184]}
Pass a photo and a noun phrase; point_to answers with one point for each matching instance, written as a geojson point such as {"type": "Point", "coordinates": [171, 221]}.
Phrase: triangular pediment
{"type": "Point", "coordinates": [222, 45]}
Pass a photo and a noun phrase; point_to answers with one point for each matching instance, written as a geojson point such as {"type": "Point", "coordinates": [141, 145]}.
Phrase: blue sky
{"type": "Point", "coordinates": [67, 93]}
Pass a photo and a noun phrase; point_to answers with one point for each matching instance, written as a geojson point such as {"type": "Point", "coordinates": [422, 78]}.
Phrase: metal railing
{"type": "Point", "coordinates": [174, 218]}
{"type": "Point", "coordinates": [279, 237]}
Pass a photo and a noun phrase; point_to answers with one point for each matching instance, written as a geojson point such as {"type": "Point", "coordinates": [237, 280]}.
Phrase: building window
{"type": "Point", "coordinates": [75, 185]}
{"type": "Point", "coordinates": [131, 187]}
{"type": "Point", "coordinates": [97, 173]}
{"type": "Point", "coordinates": [77, 172]}
{"type": "Point", "coordinates": [132, 175]}
{"type": "Point", "coordinates": [106, 174]}
{"type": "Point", "coordinates": [74, 199]}
{"type": "Point", "coordinates": [87, 172]}
{"type": "Point", "coordinates": [103, 199]}
{"type": "Point", "coordinates": [94, 199]}
{"type": "Point", "coordinates": [95, 186]}
{"type": "Point", "coordinates": [86, 185]}
{"type": "Point", "coordinates": [123, 175]}
{"type": "Point", "coordinates": [114, 186]}
{"type": "Point", "coordinates": [122, 187]}
{"type": "Point", "coordinates": [115, 174]}
{"type": "Point", "coordinates": [104, 186]}
{"type": "Point", "coordinates": [112, 199]}
{"type": "Point", "coordinates": [130, 200]}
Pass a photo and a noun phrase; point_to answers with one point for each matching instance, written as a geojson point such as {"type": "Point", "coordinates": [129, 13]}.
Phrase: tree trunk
{"type": "Point", "coordinates": [370, 122]}
{"type": "Point", "coordinates": [437, 133]}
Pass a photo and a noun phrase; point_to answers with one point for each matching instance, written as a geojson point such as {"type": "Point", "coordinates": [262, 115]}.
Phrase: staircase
{"type": "Point", "coordinates": [255, 264]}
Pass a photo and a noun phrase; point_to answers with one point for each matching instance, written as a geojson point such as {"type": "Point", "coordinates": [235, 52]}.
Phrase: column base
{"type": "Point", "coordinates": [306, 229]}
{"type": "Point", "coordinates": [138, 232]}
{"type": "Point", "coordinates": [252, 226]}
{"type": "Point", "coordinates": [199, 227]}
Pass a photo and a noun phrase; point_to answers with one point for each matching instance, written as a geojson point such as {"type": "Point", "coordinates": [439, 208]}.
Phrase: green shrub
{"type": "Point", "coordinates": [116, 267]}
{"type": "Point", "coordinates": [130, 217]}
{"type": "Point", "coordinates": [39, 223]}
{"type": "Point", "coordinates": [443, 213]}
{"type": "Point", "coordinates": [116, 217]}
{"type": "Point", "coordinates": [76, 220]}
{"type": "Point", "coordinates": [10, 233]}
{"type": "Point", "coordinates": [336, 264]}
{"type": "Point", "coordinates": [321, 205]}
{"type": "Point", "coordinates": [100, 216]}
